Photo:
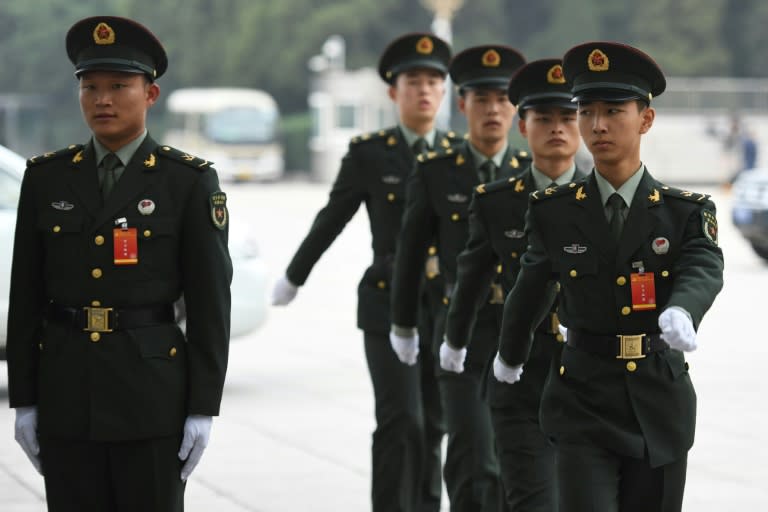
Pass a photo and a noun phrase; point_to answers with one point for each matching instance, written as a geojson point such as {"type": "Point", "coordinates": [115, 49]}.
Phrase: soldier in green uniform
{"type": "Point", "coordinates": [406, 449]}
{"type": "Point", "coordinates": [437, 209]}
{"type": "Point", "coordinates": [114, 403]}
{"type": "Point", "coordinates": [638, 265]}
{"type": "Point", "coordinates": [496, 242]}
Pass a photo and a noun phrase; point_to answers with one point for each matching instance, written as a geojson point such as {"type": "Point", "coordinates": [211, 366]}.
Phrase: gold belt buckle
{"type": "Point", "coordinates": [631, 346]}
{"type": "Point", "coordinates": [98, 319]}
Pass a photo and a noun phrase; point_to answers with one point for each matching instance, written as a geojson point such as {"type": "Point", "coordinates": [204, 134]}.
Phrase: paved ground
{"type": "Point", "coordinates": [298, 412]}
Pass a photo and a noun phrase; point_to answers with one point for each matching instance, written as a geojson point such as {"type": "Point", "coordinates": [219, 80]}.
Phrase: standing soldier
{"type": "Point", "coordinates": [638, 265]}
{"type": "Point", "coordinates": [436, 208]}
{"type": "Point", "coordinates": [496, 242]}
{"type": "Point", "coordinates": [113, 402]}
{"type": "Point", "coordinates": [409, 431]}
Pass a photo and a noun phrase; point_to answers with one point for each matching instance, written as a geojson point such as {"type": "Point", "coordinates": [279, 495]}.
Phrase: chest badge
{"type": "Point", "coordinates": [575, 249]}
{"type": "Point", "coordinates": [391, 179]}
{"type": "Point", "coordinates": [146, 206]}
{"type": "Point", "coordinates": [660, 245]}
{"type": "Point", "coordinates": [62, 206]}
{"type": "Point", "coordinates": [457, 198]}
{"type": "Point", "coordinates": [514, 233]}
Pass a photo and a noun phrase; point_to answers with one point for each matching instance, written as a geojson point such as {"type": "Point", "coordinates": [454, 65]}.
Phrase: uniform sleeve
{"type": "Point", "coordinates": [699, 269]}
{"type": "Point", "coordinates": [206, 277]}
{"type": "Point", "coordinates": [343, 202]}
{"type": "Point", "coordinates": [529, 301]}
{"type": "Point", "coordinates": [474, 275]}
{"type": "Point", "coordinates": [26, 303]}
{"type": "Point", "coordinates": [418, 229]}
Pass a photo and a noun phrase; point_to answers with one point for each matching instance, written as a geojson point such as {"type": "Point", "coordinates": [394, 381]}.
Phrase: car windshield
{"type": "Point", "coordinates": [241, 125]}
{"type": "Point", "coordinates": [9, 191]}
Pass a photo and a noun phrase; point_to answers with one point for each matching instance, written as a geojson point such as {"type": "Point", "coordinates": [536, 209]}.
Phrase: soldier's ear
{"type": "Point", "coordinates": [648, 114]}
{"type": "Point", "coordinates": [153, 92]}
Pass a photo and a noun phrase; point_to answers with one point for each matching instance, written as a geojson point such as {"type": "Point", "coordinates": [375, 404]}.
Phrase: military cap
{"type": "Point", "coordinates": [411, 51]}
{"type": "Point", "coordinates": [487, 67]}
{"type": "Point", "coordinates": [111, 43]}
{"type": "Point", "coordinates": [540, 82]}
{"type": "Point", "coordinates": [608, 71]}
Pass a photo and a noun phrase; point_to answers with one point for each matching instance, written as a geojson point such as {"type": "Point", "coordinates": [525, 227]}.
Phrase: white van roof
{"type": "Point", "coordinates": [212, 99]}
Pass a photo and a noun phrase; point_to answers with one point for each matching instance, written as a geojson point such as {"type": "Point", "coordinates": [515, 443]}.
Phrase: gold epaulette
{"type": "Point", "coordinates": [180, 156]}
{"type": "Point", "coordinates": [389, 134]}
{"type": "Point", "coordinates": [72, 149]}
{"type": "Point", "coordinates": [574, 188]}
{"type": "Point", "coordinates": [515, 184]}
{"type": "Point", "coordinates": [688, 195]}
{"type": "Point", "coordinates": [438, 154]}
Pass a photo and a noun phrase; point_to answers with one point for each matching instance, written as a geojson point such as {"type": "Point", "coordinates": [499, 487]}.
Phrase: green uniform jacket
{"type": "Point", "coordinates": [496, 242]}
{"type": "Point", "coordinates": [437, 208]}
{"type": "Point", "coordinates": [374, 171]}
{"type": "Point", "coordinates": [629, 407]}
{"type": "Point", "coordinates": [134, 383]}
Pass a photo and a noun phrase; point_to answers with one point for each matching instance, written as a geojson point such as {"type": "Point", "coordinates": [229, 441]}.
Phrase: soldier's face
{"type": "Point", "coordinates": [115, 105]}
{"type": "Point", "coordinates": [552, 132]}
{"type": "Point", "coordinates": [612, 131]}
{"type": "Point", "coordinates": [489, 114]}
{"type": "Point", "coordinates": [417, 94]}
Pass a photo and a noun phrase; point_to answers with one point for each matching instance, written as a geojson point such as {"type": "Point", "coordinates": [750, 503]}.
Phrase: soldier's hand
{"type": "Point", "coordinates": [451, 359]}
{"type": "Point", "coordinates": [505, 373]}
{"type": "Point", "coordinates": [677, 329]}
{"type": "Point", "coordinates": [26, 434]}
{"type": "Point", "coordinates": [197, 432]}
{"type": "Point", "coordinates": [406, 347]}
{"type": "Point", "coordinates": [563, 330]}
{"type": "Point", "coordinates": [284, 292]}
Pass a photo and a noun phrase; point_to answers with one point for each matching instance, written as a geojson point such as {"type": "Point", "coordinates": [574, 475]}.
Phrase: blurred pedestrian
{"type": "Point", "coordinates": [114, 403]}
{"type": "Point", "coordinates": [406, 456]}
{"type": "Point", "coordinates": [637, 265]}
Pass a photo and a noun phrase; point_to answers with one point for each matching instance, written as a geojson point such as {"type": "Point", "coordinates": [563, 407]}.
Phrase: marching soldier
{"type": "Point", "coordinates": [113, 402]}
{"type": "Point", "coordinates": [638, 266]}
{"type": "Point", "coordinates": [436, 209]}
{"type": "Point", "coordinates": [409, 431]}
{"type": "Point", "coordinates": [496, 242]}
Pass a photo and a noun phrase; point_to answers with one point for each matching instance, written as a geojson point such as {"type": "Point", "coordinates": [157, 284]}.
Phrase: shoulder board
{"type": "Point", "coordinates": [72, 149]}
{"type": "Point", "coordinates": [695, 197]}
{"type": "Point", "coordinates": [190, 160]}
{"type": "Point", "coordinates": [574, 188]}
{"type": "Point", "coordinates": [389, 134]}
{"type": "Point", "coordinates": [515, 185]}
{"type": "Point", "coordinates": [440, 154]}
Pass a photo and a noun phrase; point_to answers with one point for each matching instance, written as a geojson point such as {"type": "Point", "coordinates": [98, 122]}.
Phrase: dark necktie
{"type": "Point", "coordinates": [419, 146]}
{"type": "Point", "coordinates": [616, 205]}
{"type": "Point", "coordinates": [108, 165]}
{"type": "Point", "coordinates": [487, 171]}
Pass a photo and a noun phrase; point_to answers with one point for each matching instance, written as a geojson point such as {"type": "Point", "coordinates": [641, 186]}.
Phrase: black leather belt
{"type": "Point", "coordinates": [620, 346]}
{"type": "Point", "coordinates": [99, 319]}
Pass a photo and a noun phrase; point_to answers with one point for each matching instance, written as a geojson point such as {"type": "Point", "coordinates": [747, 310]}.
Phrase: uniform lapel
{"type": "Point", "coordinates": [466, 176]}
{"type": "Point", "coordinates": [85, 180]}
{"type": "Point", "coordinates": [132, 182]}
{"type": "Point", "coordinates": [642, 217]}
{"type": "Point", "coordinates": [590, 219]}
{"type": "Point", "coordinates": [509, 166]}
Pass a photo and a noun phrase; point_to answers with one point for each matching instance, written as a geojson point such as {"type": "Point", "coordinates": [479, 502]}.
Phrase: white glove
{"type": "Point", "coordinates": [505, 373]}
{"type": "Point", "coordinates": [284, 292]}
{"type": "Point", "coordinates": [406, 347]}
{"type": "Point", "coordinates": [197, 432]}
{"type": "Point", "coordinates": [677, 330]}
{"type": "Point", "coordinates": [26, 434]}
{"type": "Point", "coordinates": [563, 331]}
{"type": "Point", "coordinates": [451, 359]}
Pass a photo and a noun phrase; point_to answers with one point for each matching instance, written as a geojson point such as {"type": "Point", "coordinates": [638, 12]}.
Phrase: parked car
{"type": "Point", "coordinates": [249, 286]}
{"type": "Point", "coordinates": [749, 209]}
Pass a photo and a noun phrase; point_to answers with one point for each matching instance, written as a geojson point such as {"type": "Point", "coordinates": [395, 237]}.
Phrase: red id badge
{"type": "Point", "coordinates": [643, 291]}
{"type": "Point", "coordinates": [126, 246]}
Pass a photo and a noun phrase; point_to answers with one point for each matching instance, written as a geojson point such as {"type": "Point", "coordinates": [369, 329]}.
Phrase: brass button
{"type": "Point", "coordinates": [631, 366]}
{"type": "Point", "coordinates": [431, 275]}
{"type": "Point", "coordinates": [573, 273]}
{"type": "Point", "coordinates": [499, 269]}
{"type": "Point", "coordinates": [172, 352]}
{"type": "Point", "coordinates": [390, 197]}
{"type": "Point", "coordinates": [95, 337]}
{"type": "Point", "coordinates": [557, 286]}
{"type": "Point", "coordinates": [40, 346]}
{"type": "Point", "coordinates": [99, 240]}
{"type": "Point", "coordinates": [562, 370]}
{"type": "Point", "coordinates": [96, 273]}
{"type": "Point", "coordinates": [381, 284]}
{"type": "Point", "coordinates": [432, 250]}
{"type": "Point", "coordinates": [95, 303]}
{"type": "Point", "coordinates": [626, 310]}
{"type": "Point", "coordinates": [445, 300]}
{"type": "Point", "coordinates": [514, 255]}
{"type": "Point", "coordinates": [621, 280]}
{"type": "Point", "coordinates": [560, 338]}
{"type": "Point", "coordinates": [147, 233]}
{"type": "Point", "coordinates": [665, 273]}
{"type": "Point", "coordinates": [455, 217]}
{"type": "Point", "coordinates": [56, 229]}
